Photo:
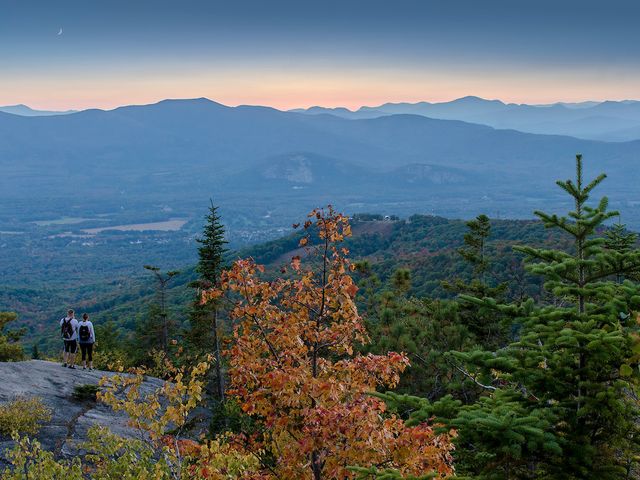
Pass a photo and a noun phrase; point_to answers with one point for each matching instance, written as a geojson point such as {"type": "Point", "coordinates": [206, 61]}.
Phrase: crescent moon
{"type": "Point", "coordinates": [60, 32]}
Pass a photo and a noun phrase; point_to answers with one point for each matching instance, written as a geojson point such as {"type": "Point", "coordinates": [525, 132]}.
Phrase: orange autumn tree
{"type": "Point", "coordinates": [294, 370]}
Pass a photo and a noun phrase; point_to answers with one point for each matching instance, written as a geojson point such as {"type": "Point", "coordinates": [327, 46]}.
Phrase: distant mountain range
{"type": "Point", "coordinates": [26, 111]}
{"type": "Point", "coordinates": [614, 121]}
{"type": "Point", "coordinates": [185, 151]}
{"type": "Point", "coordinates": [608, 121]}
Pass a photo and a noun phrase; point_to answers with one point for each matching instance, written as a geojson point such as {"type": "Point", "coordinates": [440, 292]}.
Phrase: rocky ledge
{"type": "Point", "coordinates": [70, 418]}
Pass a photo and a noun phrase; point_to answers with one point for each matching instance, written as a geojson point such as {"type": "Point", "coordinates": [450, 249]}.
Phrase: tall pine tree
{"type": "Point", "coordinates": [483, 323]}
{"type": "Point", "coordinates": [475, 245]}
{"type": "Point", "coordinates": [203, 335]}
{"type": "Point", "coordinates": [159, 316]}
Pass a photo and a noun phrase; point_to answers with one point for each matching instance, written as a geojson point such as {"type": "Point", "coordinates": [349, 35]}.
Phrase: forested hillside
{"type": "Point", "coordinates": [131, 166]}
{"type": "Point", "coordinates": [425, 245]}
{"type": "Point", "coordinates": [373, 347]}
{"type": "Point", "coordinates": [331, 240]}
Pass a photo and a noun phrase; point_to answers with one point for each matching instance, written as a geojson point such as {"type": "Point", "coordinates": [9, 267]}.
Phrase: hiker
{"type": "Point", "coordinates": [86, 338]}
{"type": "Point", "coordinates": [69, 330]}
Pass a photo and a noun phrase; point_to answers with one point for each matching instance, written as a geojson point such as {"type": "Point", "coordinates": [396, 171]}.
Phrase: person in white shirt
{"type": "Point", "coordinates": [69, 331]}
{"type": "Point", "coordinates": [86, 338]}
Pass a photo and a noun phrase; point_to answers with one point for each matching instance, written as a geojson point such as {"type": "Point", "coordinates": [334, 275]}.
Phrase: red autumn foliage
{"type": "Point", "coordinates": [293, 367]}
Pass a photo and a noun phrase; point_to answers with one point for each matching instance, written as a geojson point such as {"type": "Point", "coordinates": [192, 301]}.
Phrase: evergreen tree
{"type": "Point", "coordinates": [475, 243]}
{"type": "Point", "coordinates": [482, 322]}
{"type": "Point", "coordinates": [212, 248]}
{"type": "Point", "coordinates": [204, 333]}
{"type": "Point", "coordinates": [425, 330]}
{"type": "Point", "coordinates": [161, 314]}
{"type": "Point", "coordinates": [559, 400]}
{"type": "Point", "coordinates": [147, 337]}
{"type": "Point", "coordinates": [368, 285]}
{"type": "Point", "coordinates": [401, 281]}
{"type": "Point", "coordinates": [621, 241]}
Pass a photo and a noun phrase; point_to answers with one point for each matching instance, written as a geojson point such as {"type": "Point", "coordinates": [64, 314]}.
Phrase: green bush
{"type": "Point", "coordinates": [28, 461]}
{"type": "Point", "coordinates": [87, 391]}
{"type": "Point", "coordinates": [23, 416]}
{"type": "Point", "coordinates": [10, 349]}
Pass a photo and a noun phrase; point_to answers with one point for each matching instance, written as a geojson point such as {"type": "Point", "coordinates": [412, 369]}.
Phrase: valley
{"type": "Point", "coordinates": [88, 198]}
{"type": "Point", "coordinates": [337, 240]}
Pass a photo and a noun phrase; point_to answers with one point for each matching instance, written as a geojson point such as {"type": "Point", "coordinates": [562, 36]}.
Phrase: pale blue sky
{"type": "Point", "coordinates": [301, 53]}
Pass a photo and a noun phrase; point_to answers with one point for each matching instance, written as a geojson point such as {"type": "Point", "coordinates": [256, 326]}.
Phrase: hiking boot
{"type": "Point", "coordinates": [64, 365]}
{"type": "Point", "coordinates": [72, 367]}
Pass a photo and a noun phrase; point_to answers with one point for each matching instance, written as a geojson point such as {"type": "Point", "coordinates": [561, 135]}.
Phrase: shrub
{"type": "Point", "coordinates": [112, 360]}
{"type": "Point", "coordinates": [29, 461]}
{"type": "Point", "coordinates": [10, 352]}
{"type": "Point", "coordinates": [87, 391]}
{"type": "Point", "coordinates": [23, 416]}
{"type": "Point", "coordinates": [10, 349]}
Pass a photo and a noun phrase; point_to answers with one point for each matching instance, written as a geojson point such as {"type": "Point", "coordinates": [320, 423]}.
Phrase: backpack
{"type": "Point", "coordinates": [67, 329]}
{"type": "Point", "coordinates": [85, 333]}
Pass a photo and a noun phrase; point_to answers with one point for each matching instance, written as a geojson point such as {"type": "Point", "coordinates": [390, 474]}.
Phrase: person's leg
{"type": "Point", "coordinates": [72, 353]}
{"type": "Point", "coordinates": [65, 353]}
{"type": "Point", "coordinates": [90, 352]}
{"type": "Point", "coordinates": [83, 349]}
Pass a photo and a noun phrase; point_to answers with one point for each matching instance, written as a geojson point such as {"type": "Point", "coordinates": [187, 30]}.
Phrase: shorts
{"type": "Point", "coordinates": [70, 346]}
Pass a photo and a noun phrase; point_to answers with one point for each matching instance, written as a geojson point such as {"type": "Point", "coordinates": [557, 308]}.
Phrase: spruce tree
{"type": "Point", "coordinates": [203, 334]}
{"type": "Point", "coordinates": [483, 323]}
{"type": "Point", "coordinates": [162, 317]}
{"type": "Point", "coordinates": [475, 244]}
{"type": "Point", "coordinates": [147, 337]}
{"type": "Point", "coordinates": [212, 248]}
{"type": "Point", "coordinates": [621, 241]}
{"type": "Point", "coordinates": [424, 330]}
{"type": "Point", "coordinates": [559, 400]}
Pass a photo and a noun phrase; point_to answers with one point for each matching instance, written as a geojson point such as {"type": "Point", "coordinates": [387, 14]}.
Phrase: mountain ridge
{"type": "Point", "coordinates": [552, 118]}
{"type": "Point", "coordinates": [137, 162]}
{"type": "Point", "coordinates": [26, 111]}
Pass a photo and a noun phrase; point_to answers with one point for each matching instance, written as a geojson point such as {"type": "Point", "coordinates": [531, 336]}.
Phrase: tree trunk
{"type": "Point", "coordinates": [580, 238]}
{"type": "Point", "coordinates": [163, 313]}
{"type": "Point", "coordinates": [218, 356]}
{"type": "Point", "coordinates": [316, 466]}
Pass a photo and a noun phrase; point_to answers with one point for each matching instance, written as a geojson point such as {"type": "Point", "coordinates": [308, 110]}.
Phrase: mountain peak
{"type": "Point", "coordinates": [174, 104]}
{"type": "Point", "coordinates": [472, 99]}
{"type": "Point", "coordinates": [190, 101]}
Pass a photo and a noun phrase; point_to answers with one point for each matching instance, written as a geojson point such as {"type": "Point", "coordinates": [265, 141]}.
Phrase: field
{"type": "Point", "coordinates": [171, 225]}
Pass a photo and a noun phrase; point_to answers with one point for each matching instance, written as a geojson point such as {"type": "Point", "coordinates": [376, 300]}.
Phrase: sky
{"type": "Point", "coordinates": [300, 53]}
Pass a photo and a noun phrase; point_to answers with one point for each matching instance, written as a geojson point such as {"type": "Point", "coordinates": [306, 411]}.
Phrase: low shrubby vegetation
{"type": "Point", "coordinates": [10, 348]}
{"type": "Point", "coordinates": [23, 415]}
{"type": "Point", "coordinates": [86, 392]}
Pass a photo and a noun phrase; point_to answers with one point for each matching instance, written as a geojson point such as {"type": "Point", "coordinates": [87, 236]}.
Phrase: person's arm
{"type": "Point", "coordinates": [93, 333]}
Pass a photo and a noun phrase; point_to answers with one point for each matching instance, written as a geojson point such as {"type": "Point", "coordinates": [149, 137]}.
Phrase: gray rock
{"type": "Point", "coordinates": [70, 418]}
